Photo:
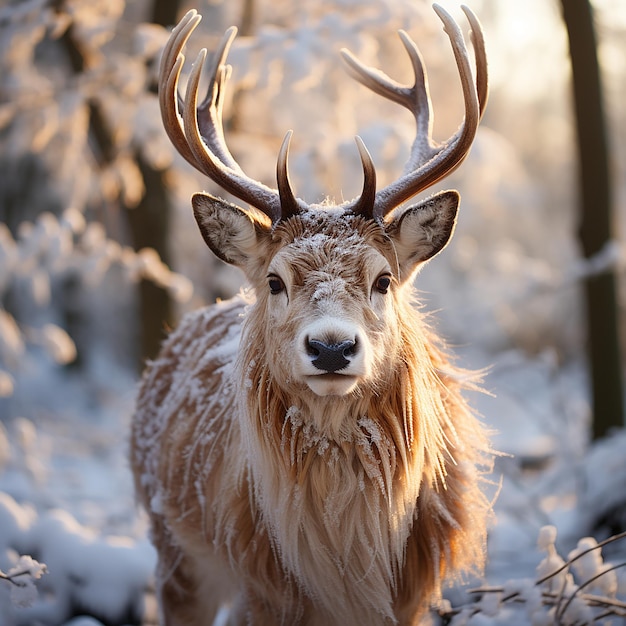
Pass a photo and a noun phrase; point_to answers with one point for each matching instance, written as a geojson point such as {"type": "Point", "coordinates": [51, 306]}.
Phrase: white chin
{"type": "Point", "coordinates": [331, 384]}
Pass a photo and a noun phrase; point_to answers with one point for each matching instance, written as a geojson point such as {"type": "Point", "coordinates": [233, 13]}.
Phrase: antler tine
{"type": "Point", "coordinates": [448, 156]}
{"type": "Point", "coordinates": [478, 43]}
{"type": "Point", "coordinates": [416, 98]}
{"type": "Point", "coordinates": [364, 204]}
{"type": "Point", "coordinates": [169, 100]}
{"type": "Point", "coordinates": [288, 202]}
{"type": "Point", "coordinates": [205, 149]}
{"type": "Point", "coordinates": [234, 181]}
{"type": "Point", "coordinates": [210, 110]}
{"type": "Point", "coordinates": [429, 162]}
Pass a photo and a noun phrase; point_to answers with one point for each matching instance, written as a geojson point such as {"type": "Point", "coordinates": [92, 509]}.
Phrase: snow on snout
{"type": "Point", "coordinates": [328, 289]}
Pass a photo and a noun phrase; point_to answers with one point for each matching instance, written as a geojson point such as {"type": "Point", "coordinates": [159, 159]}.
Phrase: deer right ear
{"type": "Point", "coordinates": [233, 234]}
{"type": "Point", "coordinates": [421, 231]}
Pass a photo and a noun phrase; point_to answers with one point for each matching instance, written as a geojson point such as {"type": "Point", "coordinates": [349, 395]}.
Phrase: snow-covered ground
{"type": "Point", "coordinates": [66, 497]}
{"type": "Point", "coordinates": [505, 294]}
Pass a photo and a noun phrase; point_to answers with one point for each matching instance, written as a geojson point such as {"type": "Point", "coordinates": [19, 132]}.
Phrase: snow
{"type": "Point", "coordinates": [506, 291]}
{"type": "Point", "coordinates": [105, 574]}
{"type": "Point", "coordinates": [75, 498]}
{"type": "Point", "coordinates": [23, 576]}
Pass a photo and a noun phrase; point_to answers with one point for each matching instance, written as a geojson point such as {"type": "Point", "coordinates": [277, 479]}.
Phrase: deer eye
{"type": "Point", "coordinates": [382, 283]}
{"type": "Point", "coordinates": [275, 284]}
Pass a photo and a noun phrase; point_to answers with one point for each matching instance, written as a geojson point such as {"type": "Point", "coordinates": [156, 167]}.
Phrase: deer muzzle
{"type": "Point", "coordinates": [331, 357]}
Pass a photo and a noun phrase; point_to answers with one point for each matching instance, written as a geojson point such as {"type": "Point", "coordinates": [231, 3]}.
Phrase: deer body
{"type": "Point", "coordinates": [303, 449]}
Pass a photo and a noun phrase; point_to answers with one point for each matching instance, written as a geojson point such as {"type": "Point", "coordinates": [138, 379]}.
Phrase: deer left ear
{"type": "Point", "coordinates": [423, 230]}
{"type": "Point", "coordinates": [234, 235]}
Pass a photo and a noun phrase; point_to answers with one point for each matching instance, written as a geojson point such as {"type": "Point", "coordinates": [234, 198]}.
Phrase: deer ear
{"type": "Point", "coordinates": [233, 234]}
{"type": "Point", "coordinates": [423, 230]}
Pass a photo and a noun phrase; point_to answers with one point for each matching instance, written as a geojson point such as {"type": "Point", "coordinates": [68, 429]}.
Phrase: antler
{"type": "Point", "coordinates": [197, 132]}
{"type": "Point", "coordinates": [429, 161]}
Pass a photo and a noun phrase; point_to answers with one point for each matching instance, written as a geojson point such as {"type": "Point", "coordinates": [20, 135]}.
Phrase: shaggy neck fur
{"type": "Point", "coordinates": [337, 479]}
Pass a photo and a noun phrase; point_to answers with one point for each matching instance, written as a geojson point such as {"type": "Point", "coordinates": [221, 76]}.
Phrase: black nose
{"type": "Point", "coordinates": [330, 357]}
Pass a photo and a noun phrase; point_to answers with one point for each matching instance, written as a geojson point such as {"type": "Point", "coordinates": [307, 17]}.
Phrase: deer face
{"type": "Point", "coordinates": [328, 284]}
{"type": "Point", "coordinates": [326, 279]}
{"type": "Point", "coordinates": [329, 290]}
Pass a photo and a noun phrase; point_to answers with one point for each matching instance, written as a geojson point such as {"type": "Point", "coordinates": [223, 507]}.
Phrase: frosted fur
{"type": "Point", "coordinates": [305, 454]}
{"type": "Point", "coordinates": [293, 507]}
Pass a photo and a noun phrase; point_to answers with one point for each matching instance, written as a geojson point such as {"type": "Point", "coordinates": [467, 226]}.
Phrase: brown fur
{"type": "Point", "coordinates": [293, 507]}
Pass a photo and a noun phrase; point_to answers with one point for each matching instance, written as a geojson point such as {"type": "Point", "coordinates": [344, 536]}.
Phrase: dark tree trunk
{"type": "Point", "coordinates": [149, 224]}
{"type": "Point", "coordinates": [596, 218]}
{"type": "Point", "coordinates": [165, 12]}
{"type": "Point", "coordinates": [149, 220]}
{"type": "Point", "coordinates": [248, 18]}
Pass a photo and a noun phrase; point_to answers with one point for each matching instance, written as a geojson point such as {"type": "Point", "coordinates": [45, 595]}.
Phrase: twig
{"type": "Point", "coordinates": [10, 578]}
{"type": "Point", "coordinates": [617, 537]}
{"type": "Point", "coordinates": [560, 613]}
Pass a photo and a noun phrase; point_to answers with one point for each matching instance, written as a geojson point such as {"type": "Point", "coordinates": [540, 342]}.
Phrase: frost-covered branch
{"type": "Point", "coordinates": [554, 598]}
{"type": "Point", "coordinates": [578, 555]}
{"type": "Point", "coordinates": [22, 577]}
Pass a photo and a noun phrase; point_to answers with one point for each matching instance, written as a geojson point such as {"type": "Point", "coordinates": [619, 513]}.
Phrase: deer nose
{"type": "Point", "coordinates": [330, 357]}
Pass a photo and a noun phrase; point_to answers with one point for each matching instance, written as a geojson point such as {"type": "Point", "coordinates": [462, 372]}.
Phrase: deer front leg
{"type": "Point", "coordinates": [190, 591]}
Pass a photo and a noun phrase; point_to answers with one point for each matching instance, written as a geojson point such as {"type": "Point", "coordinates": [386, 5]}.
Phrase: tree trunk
{"type": "Point", "coordinates": [149, 224]}
{"type": "Point", "coordinates": [596, 222]}
{"type": "Point", "coordinates": [165, 12]}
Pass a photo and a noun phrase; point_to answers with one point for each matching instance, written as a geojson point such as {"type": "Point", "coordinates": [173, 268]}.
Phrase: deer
{"type": "Point", "coordinates": [304, 450]}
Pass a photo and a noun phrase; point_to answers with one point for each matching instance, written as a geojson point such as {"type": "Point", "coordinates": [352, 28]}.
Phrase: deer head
{"type": "Point", "coordinates": [331, 277]}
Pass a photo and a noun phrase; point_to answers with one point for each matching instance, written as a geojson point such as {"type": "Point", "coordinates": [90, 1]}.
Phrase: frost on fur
{"type": "Point", "coordinates": [307, 455]}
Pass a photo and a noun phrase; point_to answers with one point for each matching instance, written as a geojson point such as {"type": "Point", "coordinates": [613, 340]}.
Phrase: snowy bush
{"type": "Point", "coordinates": [103, 577]}
{"type": "Point", "coordinates": [76, 119]}
{"type": "Point", "coordinates": [46, 253]}
{"type": "Point", "coordinates": [582, 590]}
{"type": "Point", "coordinates": [507, 288]}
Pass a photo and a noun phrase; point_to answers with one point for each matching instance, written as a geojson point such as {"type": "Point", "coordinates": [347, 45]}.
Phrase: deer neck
{"type": "Point", "coordinates": [337, 477]}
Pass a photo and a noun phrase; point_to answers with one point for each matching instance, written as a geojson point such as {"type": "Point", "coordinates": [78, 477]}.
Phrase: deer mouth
{"type": "Point", "coordinates": [331, 384]}
{"type": "Point", "coordinates": [329, 377]}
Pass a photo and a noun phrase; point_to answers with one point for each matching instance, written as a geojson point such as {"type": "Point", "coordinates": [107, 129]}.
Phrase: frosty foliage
{"type": "Point", "coordinates": [44, 254]}
{"type": "Point", "coordinates": [50, 104]}
{"type": "Point", "coordinates": [22, 577]}
{"type": "Point", "coordinates": [582, 590]}
{"type": "Point", "coordinates": [75, 111]}
{"type": "Point", "coordinates": [507, 285]}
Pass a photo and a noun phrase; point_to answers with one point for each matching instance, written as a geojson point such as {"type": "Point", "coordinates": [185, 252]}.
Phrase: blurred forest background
{"type": "Point", "coordinates": [99, 252]}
